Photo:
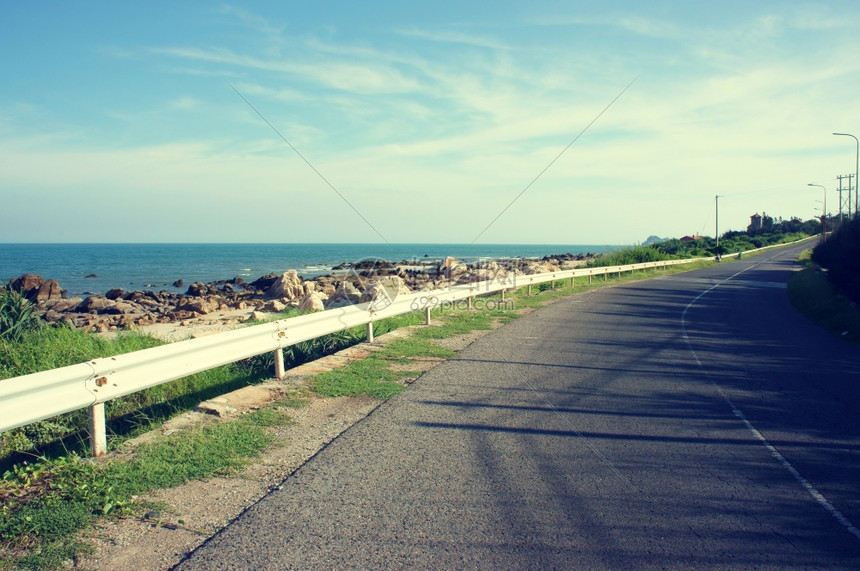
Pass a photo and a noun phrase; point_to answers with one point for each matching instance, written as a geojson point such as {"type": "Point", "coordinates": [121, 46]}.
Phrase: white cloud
{"type": "Point", "coordinates": [431, 131]}
{"type": "Point", "coordinates": [455, 37]}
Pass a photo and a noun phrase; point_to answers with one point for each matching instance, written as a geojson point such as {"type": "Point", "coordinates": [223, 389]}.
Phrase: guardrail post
{"type": "Point", "coordinates": [370, 332]}
{"type": "Point", "coordinates": [280, 370]}
{"type": "Point", "coordinates": [98, 434]}
{"type": "Point", "coordinates": [605, 275]}
{"type": "Point", "coordinates": [552, 285]}
{"type": "Point", "coordinates": [571, 282]}
{"type": "Point", "coordinates": [503, 295]}
{"type": "Point", "coordinates": [427, 315]}
{"type": "Point", "coordinates": [589, 279]}
{"type": "Point", "coordinates": [469, 302]}
{"type": "Point", "coordinates": [530, 289]}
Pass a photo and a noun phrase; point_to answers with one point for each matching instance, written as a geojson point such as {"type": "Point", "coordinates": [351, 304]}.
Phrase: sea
{"type": "Point", "coordinates": [86, 269]}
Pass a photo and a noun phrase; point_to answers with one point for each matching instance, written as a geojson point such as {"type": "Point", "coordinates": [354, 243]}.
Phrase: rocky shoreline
{"type": "Point", "coordinates": [349, 284]}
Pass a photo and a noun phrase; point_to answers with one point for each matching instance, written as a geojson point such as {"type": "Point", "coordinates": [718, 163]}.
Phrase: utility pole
{"type": "Point", "coordinates": [717, 222]}
{"type": "Point", "coordinates": [856, 173]}
{"type": "Point", "coordinates": [839, 178]}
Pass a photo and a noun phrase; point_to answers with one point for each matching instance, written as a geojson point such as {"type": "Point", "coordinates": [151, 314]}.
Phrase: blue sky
{"type": "Point", "coordinates": [117, 122]}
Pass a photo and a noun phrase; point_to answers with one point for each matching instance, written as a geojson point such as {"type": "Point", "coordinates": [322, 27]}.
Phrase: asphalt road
{"type": "Point", "coordinates": [690, 421]}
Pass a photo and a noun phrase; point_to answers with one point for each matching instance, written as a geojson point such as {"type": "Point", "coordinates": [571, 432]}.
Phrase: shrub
{"type": "Point", "coordinates": [840, 254]}
{"type": "Point", "coordinates": [16, 315]}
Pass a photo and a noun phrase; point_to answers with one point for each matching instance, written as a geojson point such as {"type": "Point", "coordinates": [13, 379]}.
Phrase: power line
{"type": "Point", "coordinates": [546, 168]}
{"type": "Point", "coordinates": [307, 162]}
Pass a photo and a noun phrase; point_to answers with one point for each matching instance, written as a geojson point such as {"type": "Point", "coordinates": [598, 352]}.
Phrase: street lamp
{"type": "Point", "coordinates": [856, 173]}
{"type": "Point", "coordinates": [824, 213]}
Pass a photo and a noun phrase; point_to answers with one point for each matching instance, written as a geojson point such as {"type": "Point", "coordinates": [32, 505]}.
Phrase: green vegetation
{"type": "Point", "coordinates": [47, 503]}
{"type": "Point", "coordinates": [375, 376]}
{"type": "Point", "coordinates": [368, 377]}
{"type": "Point", "coordinates": [840, 255]}
{"type": "Point", "coordinates": [813, 294]}
{"type": "Point", "coordinates": [703, 247]}
{"type": "Point", "coordinates": [16, 315]}
{"type": "Point", "coordinates": [39, 349]}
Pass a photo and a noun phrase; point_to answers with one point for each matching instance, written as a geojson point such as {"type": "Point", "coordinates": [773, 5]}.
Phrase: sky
{"type": "Point", "coordinates": [436, 122]}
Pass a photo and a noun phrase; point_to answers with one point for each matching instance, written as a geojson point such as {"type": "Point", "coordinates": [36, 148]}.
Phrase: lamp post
{"type": "Point", "coordinates": [824, 213]}
{"type": "Point", "coordinates": [856, 173]}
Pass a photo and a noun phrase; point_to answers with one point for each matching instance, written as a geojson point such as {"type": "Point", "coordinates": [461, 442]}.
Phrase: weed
{"type": "Point", "coordinates": [295, 398]}
{"type": "Point", "coordinates": [47, 503]}
{"type": "Point", "coordinates": [812, 293]}
{"type": "Point", "coordinates": [268, 416]}
{"type": "Point", "coordinates": [401, 349]}
{"type": "Point", "coordinates": [16, 315]}
{"type": "Point", "coordinates": [368, 377]}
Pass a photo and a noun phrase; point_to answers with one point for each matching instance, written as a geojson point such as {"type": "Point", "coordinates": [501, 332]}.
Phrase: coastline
{"type": "Point", "coordinates": [226, 303]}
{"type": "Point", "coordinates": [94, 269]}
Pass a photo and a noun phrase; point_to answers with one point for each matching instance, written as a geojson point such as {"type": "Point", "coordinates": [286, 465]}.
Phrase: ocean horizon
{"type": "Point", "coordinates": [94, 268]}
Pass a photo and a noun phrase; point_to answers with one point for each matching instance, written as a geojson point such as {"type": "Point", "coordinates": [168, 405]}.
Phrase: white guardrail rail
{"type": "Point", "coordinates": [31, 398]}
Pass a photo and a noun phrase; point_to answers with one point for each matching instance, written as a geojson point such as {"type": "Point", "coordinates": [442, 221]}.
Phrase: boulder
{"type": "Point", "coordinates": [451, 268]}
{"type": "Point", "coordinates": [52, 316]}
{"type": "Point", "coordinates": [264, 282]}
{"type": "Point", "coordinates": [96, 303]}
{"type": "Point", "coordinates": [36, 289]}
{"type": "Point", "coordinates": [25, 283]}
{"type": "Point", "coordinates": [198, 289]}
{"type": "Point", "coordinates": [198, 305]}
{"type": "Point", "coordinates": [312, 302]}
{"type": "Point", "coordinates": [62, 305]}
{"type": "Point", "coordinates": [115, 293]}
{"type": "Point", "coordinates": [288, 285]}
{"type": "Point", "coordinates": [275, 305]}
{"type": "Point", "coordinates": [123, 308]}
{"type": "Point", "coordinates": [345, 294]}
{"type": "Point", "coordinates": [383, 291]}
{"type": "Point", "coordinates": [49, 290]}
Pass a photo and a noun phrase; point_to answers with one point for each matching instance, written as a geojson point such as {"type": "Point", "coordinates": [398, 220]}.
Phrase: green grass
{"type": "Point", "coordinates": [47, 504]}
{"type": "Point", "coordinates": [52, 347]}
{"type": "Point", "coordinates": [814, 296]}
{"type": "Point", "coordinates": [369, 377]}
{"type": "Point", "coordinates": [374, 377]}
{"type": "Point", "coordinates": [416, 346]}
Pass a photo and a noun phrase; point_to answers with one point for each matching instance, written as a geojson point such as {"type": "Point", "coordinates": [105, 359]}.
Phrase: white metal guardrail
{"type": "Point", "coordinates": [30, 398]}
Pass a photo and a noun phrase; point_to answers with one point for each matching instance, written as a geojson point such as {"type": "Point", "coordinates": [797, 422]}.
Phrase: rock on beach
{"type": "Point", "coordinates": [376, 283]}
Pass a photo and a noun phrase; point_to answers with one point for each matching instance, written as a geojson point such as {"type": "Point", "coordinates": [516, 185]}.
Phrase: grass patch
{"type": "Point", "coordinates": [812, 293]}
{"type": "Point", "coordinates": [52, 347]}
{"type": "Point", "coordinates": [543, 293]}
{"type": "Point", "coordinates": [456, 324]}
{"type": "Point", "coordinates": [416, 346]}
{"type": "Point", "coordinates": [47, 504]}
{"type": "Point", "coordinates": [368, 377]}
{"type": "Point", "coordinates": [298, 397]}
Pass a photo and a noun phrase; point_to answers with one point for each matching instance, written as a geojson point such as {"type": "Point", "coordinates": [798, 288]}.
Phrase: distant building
{"type": "Point", "coordinates": [691, 238]}
{"type": "Point", "coordinates": [755, 223]}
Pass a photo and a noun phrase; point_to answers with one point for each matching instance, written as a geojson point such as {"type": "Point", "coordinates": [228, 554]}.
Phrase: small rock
{"type": "Point", "coordinates": [218, 409]}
